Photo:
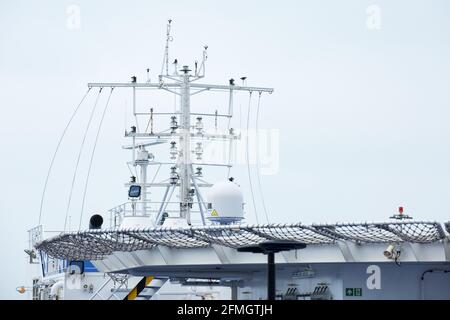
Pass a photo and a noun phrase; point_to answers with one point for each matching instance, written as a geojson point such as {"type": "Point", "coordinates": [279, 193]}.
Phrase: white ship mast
{"type": "Point", "coordinates": [181, 83]}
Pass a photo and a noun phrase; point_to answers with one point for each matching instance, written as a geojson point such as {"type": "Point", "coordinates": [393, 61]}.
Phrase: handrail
{"type": "Point", "coordinates": [131, 208]}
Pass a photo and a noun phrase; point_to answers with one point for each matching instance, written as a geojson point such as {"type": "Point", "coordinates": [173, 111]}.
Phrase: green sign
{"type": "Point", "coordinates": [353, 292]}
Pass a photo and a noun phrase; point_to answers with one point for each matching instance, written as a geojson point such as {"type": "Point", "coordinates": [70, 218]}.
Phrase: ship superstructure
{"type": "Point", "coordinates": [191, 233]}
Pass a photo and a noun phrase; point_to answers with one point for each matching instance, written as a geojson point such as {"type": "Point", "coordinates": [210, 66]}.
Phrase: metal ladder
{"type": "Point", "coordinates": [143, 290]}
{"type": "Point", "coordinates": [146, 288]}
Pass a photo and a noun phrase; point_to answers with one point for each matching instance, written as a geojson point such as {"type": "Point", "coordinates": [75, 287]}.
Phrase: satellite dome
{"type": "Point", "coordinates": [225, 202]}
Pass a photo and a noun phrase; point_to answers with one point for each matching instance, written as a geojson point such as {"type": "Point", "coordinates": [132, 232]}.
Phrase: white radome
{"type": "Point", "coordinates": [226, 202]}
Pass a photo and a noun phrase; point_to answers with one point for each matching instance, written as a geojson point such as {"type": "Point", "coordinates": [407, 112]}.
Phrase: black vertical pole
{"type": "Point", "coordinates": [234, 290]}
{"type": "Point", "coordinates": [269, 248]}
{"type": "Point", "coordinates": [271, 276]}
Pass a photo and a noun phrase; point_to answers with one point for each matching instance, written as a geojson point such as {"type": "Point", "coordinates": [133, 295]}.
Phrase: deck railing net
{"type": "Point", "coordinates": [447, 226]}
{"type": "Point", "coordinates": [97, 244]}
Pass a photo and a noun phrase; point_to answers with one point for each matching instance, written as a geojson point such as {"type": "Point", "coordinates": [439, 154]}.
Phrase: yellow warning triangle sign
{"type": "Point", "coordinates": [214, 213]}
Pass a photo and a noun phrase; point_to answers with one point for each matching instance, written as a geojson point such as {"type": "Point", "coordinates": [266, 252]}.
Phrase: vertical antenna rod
{"type": "Point", "coordinates": [166, 50]}
{"type": "Point", "coordinates": [200, 72]}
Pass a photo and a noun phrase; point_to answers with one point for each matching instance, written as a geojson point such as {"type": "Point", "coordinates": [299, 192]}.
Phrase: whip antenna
{"type": "Point", "coordinates": [56, 151]}
{"type": "Point", "coordinates": [169, 38]}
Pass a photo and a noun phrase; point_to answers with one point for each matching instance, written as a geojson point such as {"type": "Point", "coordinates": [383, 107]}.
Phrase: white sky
{"type": "Point", "coordinates": [362, 113]}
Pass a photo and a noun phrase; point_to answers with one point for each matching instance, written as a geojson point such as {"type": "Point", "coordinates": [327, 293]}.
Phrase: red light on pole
{"type": "Point", "coordinates": [400, 215]}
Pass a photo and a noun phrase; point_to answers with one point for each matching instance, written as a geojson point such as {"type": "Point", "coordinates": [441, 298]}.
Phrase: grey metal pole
{"type": "Point", "coordinates": [234, 291]}
{"type": "Point", "coordinates": [185, 174]}
{"type": "Point", "coordinates": [271, 276]}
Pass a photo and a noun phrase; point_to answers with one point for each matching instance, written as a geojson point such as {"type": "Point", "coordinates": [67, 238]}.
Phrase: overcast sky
{"type": "Point", "coordinates": [361, 103]}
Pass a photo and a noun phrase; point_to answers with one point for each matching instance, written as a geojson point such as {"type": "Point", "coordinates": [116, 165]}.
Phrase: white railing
{"type": "Point", "coordinates": [145, 209]}
{"type": "Point", "coordinates": [35, 235]}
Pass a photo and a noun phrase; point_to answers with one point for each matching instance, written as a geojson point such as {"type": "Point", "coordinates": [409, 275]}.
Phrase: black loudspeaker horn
{"type": "Point", "coordinates": [95, 222]}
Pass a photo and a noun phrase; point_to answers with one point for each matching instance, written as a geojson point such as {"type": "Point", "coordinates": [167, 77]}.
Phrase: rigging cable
{"type": "Point", "coordinates": [156, 173]}
{"type": "Point", "coordinates": [92, 156]}
{"type": "Point", "coordinates": [79, 156]}
{"type": "Point", "coordinates": [257, 159]}
{"type": "Point", "coordinates": [131, 172]}
{"type": "Point", "coordinates": [230, 149]}
{"type": "Point", "coordinates": [248, 158]}
{"type": "Point", "coordinates": [56, 151]}
{"type": "Point", "coordinates": [230, 156]}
